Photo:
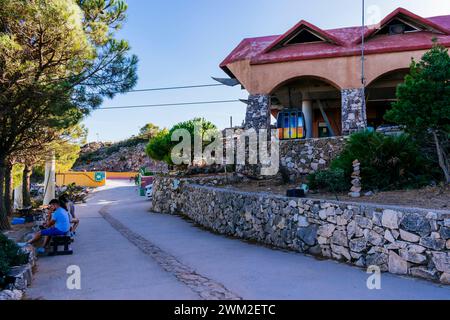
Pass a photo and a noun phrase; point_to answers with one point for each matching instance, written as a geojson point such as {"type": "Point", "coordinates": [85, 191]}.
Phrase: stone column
{"type": "Point", "coordinates": [353, 110]}
{"type": "Point", "coordinates": [307, 108]}
{"type": "Point", "coordinates": [258, 112]}
{"type": "Point", "coordinates": [257, 117]}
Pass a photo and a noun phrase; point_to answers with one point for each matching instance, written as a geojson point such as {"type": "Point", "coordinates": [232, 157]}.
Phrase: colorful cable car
{"type": "Point", "coordinates": [291, 124]}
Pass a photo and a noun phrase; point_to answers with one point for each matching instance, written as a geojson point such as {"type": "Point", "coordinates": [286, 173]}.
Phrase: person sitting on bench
{"type": "Point", "coordinates": [69, 206]}
{"type": "Point", "coordinates": [59, 225]}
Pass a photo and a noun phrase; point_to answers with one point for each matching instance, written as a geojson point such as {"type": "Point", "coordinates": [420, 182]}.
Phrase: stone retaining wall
{"type": "Point", "coordinates": [398, 240]}
{"type": "Point", "coordinates": [20, 277]}
{"type": "Point", "coordinates": [300, 157]}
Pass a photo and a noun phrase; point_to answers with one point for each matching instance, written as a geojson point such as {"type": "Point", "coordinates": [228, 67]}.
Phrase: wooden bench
{"type": "Point", "coordinates": [64, 241]}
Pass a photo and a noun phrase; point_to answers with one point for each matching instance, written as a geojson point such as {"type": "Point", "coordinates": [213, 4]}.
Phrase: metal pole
{"type": "Point", "coordinates": [363, 29]}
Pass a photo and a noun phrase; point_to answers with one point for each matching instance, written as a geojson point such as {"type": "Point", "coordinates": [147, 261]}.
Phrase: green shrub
{"type": "Point", "coordinates": [331, 180]}
{"type": "Point", "coordinates": [160, 147]}
{"type": "Point", "coordinates": [10, 256]}
{"type": "Point", "coordinates": [387, 162]}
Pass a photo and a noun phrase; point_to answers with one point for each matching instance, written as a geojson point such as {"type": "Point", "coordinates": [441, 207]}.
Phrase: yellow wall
{"type": "Point", "coordinates": [121, 175]}
{"type": "Point", "coordinates": [82, 179]}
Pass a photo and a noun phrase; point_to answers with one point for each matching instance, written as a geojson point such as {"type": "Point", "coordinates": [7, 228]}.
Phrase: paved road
{"type": "Point", "coordinates": [126, 252]}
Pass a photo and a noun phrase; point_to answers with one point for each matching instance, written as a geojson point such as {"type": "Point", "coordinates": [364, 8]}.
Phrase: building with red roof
{"type": "Point", "coordinates": [320, 71]}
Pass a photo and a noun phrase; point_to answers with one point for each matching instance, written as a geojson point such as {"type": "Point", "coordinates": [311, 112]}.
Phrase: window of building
{"type": "Point", "coordinates": [398, 26]}
{"type": "Point", "coordinates": [304, 36]}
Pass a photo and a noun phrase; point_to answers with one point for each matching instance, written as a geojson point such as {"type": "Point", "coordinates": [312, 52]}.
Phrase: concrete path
{"type": "Point", "coordinates": [126, 252]}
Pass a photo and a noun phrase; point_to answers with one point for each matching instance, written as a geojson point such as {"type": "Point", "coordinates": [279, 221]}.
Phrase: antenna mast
{"type": "Point", "coordinates": [363, 30]}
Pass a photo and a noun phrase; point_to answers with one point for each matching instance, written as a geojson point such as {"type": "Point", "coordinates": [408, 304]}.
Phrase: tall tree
{"type": "Point", "coordinates": [58, 59]}
{"type": "Point", "coordinates": [26, 183]}
{"type": "Point", "coordinates": [149, 131]}
{"type": "Point", "coordinates": [66, 144]}
{"type": "Point", "coordinates": [423, 105]}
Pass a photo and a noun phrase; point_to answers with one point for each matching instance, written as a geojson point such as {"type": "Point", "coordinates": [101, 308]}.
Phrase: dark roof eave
{"type": "Point", "coordinates": [227, 71]}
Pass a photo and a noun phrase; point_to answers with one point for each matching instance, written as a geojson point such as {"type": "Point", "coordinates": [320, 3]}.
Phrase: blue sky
{"type": "Point", "coordinates": [181, 42]}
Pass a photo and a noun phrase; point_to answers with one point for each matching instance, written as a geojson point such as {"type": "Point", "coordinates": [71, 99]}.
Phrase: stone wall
{"type": "Point", "coordinates": [353, 110]}
{"type": "Point", "coordinates": [412, 242]}
{"type": "Point", "coordinates": [20, 277]}
{"type": "Point", "coordinates": [300, 157]}
{"type": "Point", "coordinates": [258, 112]}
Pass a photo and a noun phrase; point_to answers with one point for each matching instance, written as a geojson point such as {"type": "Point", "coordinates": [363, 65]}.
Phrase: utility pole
{"type": "Point", "coordinates": [363, 30]}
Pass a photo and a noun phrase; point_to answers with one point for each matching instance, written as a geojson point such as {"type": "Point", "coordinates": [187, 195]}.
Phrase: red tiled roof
{"type": "Point", "coordinates": [346, 42]}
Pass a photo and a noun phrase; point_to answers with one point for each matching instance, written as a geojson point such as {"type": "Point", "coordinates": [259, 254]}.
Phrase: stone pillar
{"type": "Point", "coordinates": [307, 109]}
{"type": "Point", "coordinates": [257, 117]}
{"type": "Point", "coordinates": [353, 110]}
{"type": "Point", "coordinates": [258, 112]}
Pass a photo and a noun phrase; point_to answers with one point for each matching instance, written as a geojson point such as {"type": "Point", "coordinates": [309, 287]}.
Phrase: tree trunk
{"type": "Point", "coordinates": [26, 184]}
{"type": "Point", "coordinates": [442, 160]}
{"type": "Point", "coordinates": [4, 222]}
{"type": "Point", "coordinates": [9, 189]}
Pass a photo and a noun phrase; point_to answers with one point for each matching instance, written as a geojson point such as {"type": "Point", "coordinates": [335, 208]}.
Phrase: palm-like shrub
{"type": "Point", "coordinates": [387, 162]}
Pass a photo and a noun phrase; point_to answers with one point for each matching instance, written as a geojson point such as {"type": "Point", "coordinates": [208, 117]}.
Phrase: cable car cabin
{"type": "Point", "coordinates": [291, 125]}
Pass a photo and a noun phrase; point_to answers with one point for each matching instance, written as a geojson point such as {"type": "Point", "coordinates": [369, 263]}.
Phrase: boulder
{"type": "Point", "coordinates": [302, 221]}
{"type": "Point", "coordinates": [388, 236]}
{"type": "Point", "coordinates": [412, 256]}
{"type": "Point", "coordinates": [416, 248]}
{"type": "Point", "coordinates": [308, 235]}
{"type": "Point", "coordinates": [363, 222]}
{"type": "Point", "coordinates": [442, 261]}
{"type": "Point", "coordinates": [351, 229]}
{"type": "Point", "coordinates": [416, 223]}
{"type": "Point", "coordinates": [11, 295]}
{"type": "Point", "coordinates": [378, 259]}
{"type": "Point", "coordinates": [434, 244]}
{"type": "Point", "coordinates": [397, 265]}
{"type": "Point", "coordinates": [445, 278]}
{"type": "Point", "coordinates": [424, 273]}
{"type": "Point", "coordinates": [21, 276]}
{"type": "Point", "coordinates": [375, 238]}
{"type": "Point", "coordinates": [408, 236]}
{"type": "Point", "coordinates": [340, 238]}
{"type": "Point", "coordinates": [445, 233]}
{"type": "Point", "coordinates": [358, 245]}
{"type": "Point", "coordinates": [326, 230]}
{"type": "Point", "coordinates": [390, 219]}
{"type": "Point", "coordinates": [340, 250]}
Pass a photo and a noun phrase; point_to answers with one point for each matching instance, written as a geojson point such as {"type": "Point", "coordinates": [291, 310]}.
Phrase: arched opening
{"type": "Point", "coordinates": [318, 99]}
{"type": "Point", "coordinates": [380, 94]}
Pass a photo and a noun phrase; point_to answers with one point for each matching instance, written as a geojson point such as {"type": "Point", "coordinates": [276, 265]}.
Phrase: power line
{"type": "Point", "coordinates": [174, 88]}
{"type": "Point", "coordinates": [169, 104]}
